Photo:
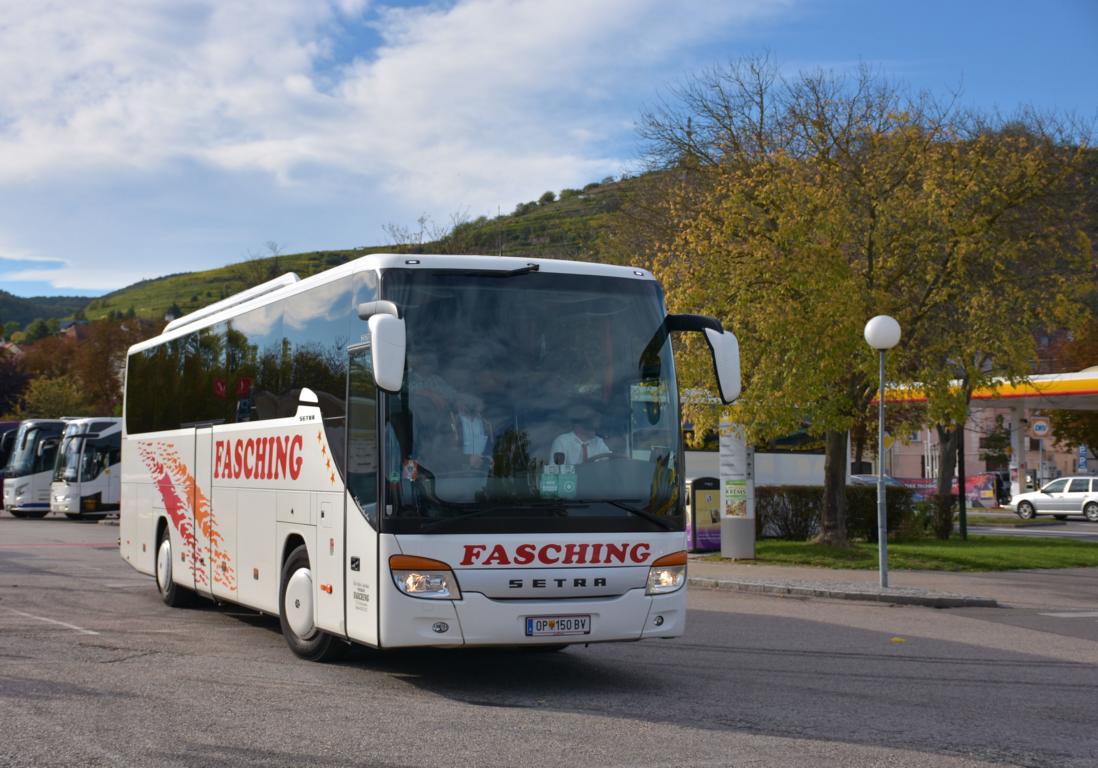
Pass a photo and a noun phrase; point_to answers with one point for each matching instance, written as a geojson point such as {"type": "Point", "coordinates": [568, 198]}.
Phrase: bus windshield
{"type": "Point", "coordinates": [68, 459]}
{"type": "Point", "coordinates": [34, 450]}
{"type": "Point", "coordinates": [532, 402]}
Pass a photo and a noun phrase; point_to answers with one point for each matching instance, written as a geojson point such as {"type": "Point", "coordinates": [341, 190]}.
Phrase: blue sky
{"type": "Point", "coordinates": [148, 137]}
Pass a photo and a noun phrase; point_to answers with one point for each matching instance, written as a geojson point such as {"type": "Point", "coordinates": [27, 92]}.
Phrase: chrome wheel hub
{"type": "Point", "coordinates": [164, 565]}
{"type": "Point", "coordinates": [298, 603]}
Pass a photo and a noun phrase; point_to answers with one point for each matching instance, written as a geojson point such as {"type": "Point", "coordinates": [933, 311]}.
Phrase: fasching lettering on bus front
{"type": "Point", "coordinates": [259, 458]}
{"type": "Point", "coordinates": [557, 554]}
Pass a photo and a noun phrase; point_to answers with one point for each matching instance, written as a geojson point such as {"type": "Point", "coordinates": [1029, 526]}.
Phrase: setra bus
{"type": "Point", "coordinates": [87, 477]}
{"type": "Point", "coordinates": [420, 451]}
{"type": "Point", "coordinates": [29, 472]}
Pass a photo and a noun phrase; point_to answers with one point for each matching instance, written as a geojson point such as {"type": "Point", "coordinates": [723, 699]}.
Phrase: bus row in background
{"type": "Point", "coordinates": [70, 466]}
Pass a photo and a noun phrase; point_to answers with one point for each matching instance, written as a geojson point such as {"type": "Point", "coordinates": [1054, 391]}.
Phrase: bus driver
{"type": "Point", "coordinates": [581, 444]}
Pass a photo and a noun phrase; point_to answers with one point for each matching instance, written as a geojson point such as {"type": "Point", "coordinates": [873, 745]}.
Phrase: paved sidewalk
{"type": "Point", "coordinates": [1069, 588]}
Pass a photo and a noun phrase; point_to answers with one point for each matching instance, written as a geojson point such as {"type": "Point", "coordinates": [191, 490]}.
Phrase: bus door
{"type": "Point", "coordinates": [199, 495]}
{"type": "Point", "coordinates": [361, 499]}
{"type": "Point", "coordinates": [112, 470]}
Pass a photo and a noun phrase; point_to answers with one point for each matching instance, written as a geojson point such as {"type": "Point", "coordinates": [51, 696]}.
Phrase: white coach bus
{"type": "Point", "coordinates": [87, 478]}
{"type": "Point", "coordinates": [29, 472]}
{"type": "Point", "coordinates": [427, 451]}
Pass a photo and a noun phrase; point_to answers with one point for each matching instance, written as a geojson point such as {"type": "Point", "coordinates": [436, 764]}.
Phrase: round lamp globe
{"type": "Point", "coordinates": [882, 332]}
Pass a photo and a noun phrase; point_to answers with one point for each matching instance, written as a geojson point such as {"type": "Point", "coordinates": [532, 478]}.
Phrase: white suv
{"type": "Point", "coordinates": [1062, 497]}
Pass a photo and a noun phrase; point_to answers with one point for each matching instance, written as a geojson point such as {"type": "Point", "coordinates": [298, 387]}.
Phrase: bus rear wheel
{"type": "Point", "coordinates": [296, 613]}
{"type": "Point", "coordinates": [171, 593]}
{"type": "Point", "coordinates": [16, 513]}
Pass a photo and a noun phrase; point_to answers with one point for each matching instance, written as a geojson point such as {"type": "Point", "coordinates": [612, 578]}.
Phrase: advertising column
{"type": "Point", "coordinates": [737, 492]}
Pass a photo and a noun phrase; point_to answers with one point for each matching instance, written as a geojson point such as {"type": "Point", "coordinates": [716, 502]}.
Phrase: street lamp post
{"type": "Point", "coordinates": [882, 333]}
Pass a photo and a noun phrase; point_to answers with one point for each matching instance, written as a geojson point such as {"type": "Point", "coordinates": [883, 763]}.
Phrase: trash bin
{"type": "Point", "coordinates": [703, 514]}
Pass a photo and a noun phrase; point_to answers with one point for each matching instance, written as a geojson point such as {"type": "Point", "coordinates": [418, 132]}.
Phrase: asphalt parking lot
{"type": "Point", "coordinates": [95, 670]}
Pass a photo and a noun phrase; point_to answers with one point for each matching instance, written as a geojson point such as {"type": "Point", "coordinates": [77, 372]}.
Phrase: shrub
{"type": "Point", "coordinates": [547, 197]}
{"type": "Point", "coordinates": [861, 510]}
{"type": "Point", "coordinates": [793, 511]}
{"type": "Point", "coordinates": [787, 511]}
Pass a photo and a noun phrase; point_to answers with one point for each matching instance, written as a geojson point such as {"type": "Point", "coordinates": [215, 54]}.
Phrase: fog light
{"type": "Point", "coordinates": [659, 621]}
{"type": "Point", "coordinates": [440, 627]}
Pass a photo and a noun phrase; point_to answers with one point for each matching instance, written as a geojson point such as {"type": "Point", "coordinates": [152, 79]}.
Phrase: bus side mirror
{"type": "Point", "coordinates": [388, 341]}
{"type": "Point", "coordinates": [723, 344]}
{"type": "Point", "coordinates": [726, 361]}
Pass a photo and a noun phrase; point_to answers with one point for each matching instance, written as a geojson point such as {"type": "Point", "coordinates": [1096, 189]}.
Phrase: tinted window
{"type": "Point", "coordinates": [316, 325]}
{"type": "Point", "coordinates": [99, 454]}
{"type": "Point", "coordinates": [1079, 485]}
{"type": "Point", "coordinates": [362, 438]}
{"type": "Point", "coordinates": [251, 368]}
{"type": "Point", "coordinates": [1056, 486]}
{"type": "Point", "coordinates": [255, 366]}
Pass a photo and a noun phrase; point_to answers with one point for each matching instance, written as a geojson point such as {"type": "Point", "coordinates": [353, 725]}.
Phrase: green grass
{"type": "Point", "coordinates": [979, 553]}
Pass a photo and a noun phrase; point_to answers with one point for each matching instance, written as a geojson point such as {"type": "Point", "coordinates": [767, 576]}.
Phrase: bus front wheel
{"type": "Point", "coordinates": [296, 613]}
{"type": "Point", "coordinates": [171, 593]}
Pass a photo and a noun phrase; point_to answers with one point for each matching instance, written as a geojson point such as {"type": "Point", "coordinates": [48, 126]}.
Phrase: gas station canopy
{"type": "Point", "coordinates": [1061, 391]}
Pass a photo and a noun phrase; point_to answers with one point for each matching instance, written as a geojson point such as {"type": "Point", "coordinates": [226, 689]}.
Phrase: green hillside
{"type": "Point", "coordinates": [23, 310]}
{"type": "Point", "coordinates": [566, 227]}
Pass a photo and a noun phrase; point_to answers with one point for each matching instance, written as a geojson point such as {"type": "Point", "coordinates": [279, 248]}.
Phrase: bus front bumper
{"type": "Point", "coordinates": [476, 620]}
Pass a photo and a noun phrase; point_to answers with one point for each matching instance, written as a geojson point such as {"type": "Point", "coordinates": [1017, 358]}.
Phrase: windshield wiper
{"type": "Point", "coordinates": [624, 504]}
{"type": "Point", "coordinates": [531, 267]}
{"type": "Point", "coordinates": [552, 505]}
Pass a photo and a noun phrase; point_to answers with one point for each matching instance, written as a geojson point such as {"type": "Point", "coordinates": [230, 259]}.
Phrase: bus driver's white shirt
{"type": "Point", "coordinates": [572, 447]}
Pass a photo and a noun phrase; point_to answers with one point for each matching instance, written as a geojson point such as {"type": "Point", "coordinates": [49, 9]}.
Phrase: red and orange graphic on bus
{"type": "Point", "coordinates": [170, 474]}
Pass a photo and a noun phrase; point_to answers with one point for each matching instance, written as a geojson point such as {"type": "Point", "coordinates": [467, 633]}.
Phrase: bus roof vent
{"type": "Point", "coordinates": [238, 298]}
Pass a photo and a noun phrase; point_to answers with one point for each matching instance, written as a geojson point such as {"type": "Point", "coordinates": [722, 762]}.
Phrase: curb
{"type": "Point", "coordinates": [862, 592]}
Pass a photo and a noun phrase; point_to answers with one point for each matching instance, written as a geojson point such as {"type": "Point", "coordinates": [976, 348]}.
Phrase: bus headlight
{"type": "Point", "coordinates": [423, 577]}
{"type": "Point", "coordinates": [667, 574]}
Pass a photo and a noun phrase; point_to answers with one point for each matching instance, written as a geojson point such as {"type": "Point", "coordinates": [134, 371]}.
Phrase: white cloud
{"type": "Point", "coordinates": [468, 91]}
{"type": "Point", "coordinates": [464, 105]}
{"type": "Point", "coordinates": [70, 277]}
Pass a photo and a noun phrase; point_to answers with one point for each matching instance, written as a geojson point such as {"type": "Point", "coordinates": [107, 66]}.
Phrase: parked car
{"type": "Point", "coordinates": [1060, 498]}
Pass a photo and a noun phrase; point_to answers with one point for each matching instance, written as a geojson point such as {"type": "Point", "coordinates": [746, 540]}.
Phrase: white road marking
{"type": "Point", "coordinates": [1073, 615]}
{"type": "Point", "coordinates": [73, 627]}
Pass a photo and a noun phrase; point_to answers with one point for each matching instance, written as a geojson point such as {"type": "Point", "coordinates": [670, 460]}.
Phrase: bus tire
{"type": "Point", "coordinates": [35, 515]}
{"type": "Point", "coordinates": [171, 593]}
{"type": "Point", "coordinates": [72, 515]}
{"type": "Point", "coordinates": [16, 513]}
{"type": "Point", "coordinates": [296, 613]}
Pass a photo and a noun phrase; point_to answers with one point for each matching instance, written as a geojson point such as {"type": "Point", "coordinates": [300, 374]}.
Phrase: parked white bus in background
{"type": "Point", "coordinates": [87, 478]}
{"type": "Point", "coordinates": [8, 430]}
{"type": "Point", "coordinates": [420, 451]}
{"type": "Point", "coordinates": [29, 472]}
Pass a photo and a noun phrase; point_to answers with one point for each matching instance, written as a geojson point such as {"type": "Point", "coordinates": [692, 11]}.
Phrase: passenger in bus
{"type": "Point", "coordinates": [581, 444]}
{"type": "Point", "coordinates": [474, 430]}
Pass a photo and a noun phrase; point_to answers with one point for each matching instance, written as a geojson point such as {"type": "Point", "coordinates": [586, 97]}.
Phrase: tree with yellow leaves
{"type": "Point", "coordinates": [810, 204]}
